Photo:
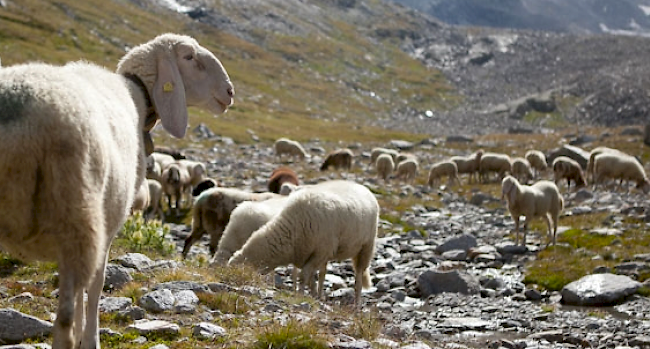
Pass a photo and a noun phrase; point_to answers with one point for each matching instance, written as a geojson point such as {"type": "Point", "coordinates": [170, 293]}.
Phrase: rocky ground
{"type": "Point", "coordinates": [457, 285]}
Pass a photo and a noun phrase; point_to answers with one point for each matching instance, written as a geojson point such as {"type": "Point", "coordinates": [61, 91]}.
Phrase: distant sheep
{"type": "Point", "coordinates": [375, 152]}
{"type": "Point", "coordinates": [174, 153]}
{"type": "Point", "coordinates": [443, 169]}
{"type": "Point", "coordinates": [385, 166]}
{"type": "Point", "coordinates": [537, 161]}
{"type": "Point", "coordinates": [176, 183]}
{"type": "Point", "coordinates": [622, 167]}
{"type": "Point", "coordinates": [404, 156]}
{"type": "Point", "coordinates": [154, 209]}
{"type": "Point", "coordinates": [580, 155]}
{"type": "Point", "coordinates": [468, 164]}
{"type": "Point", "coordinates": [160, 162]}
{"type": "Point", "coordinates": [74, 141]}
{"type": "Point", "coordinates": [339, 159]}
{"type": "Point", "coordinates": [569, 169]}
{"type": "Point", "coordinates": [494, 162]}
{"type": "Point", "coordinates": [196, 170]}
{"type": "Point", "coordinates": [333, 220]}
{"type": "Point", "coordinates": [141, 199]}
{"type": "Point", "coordinates": [521, 169]}
{"type": "Point", "coordinates": [407, 169]}
{"type": "Point", "coordinates": [280, 176]}
{"type": "Point", "coordinates": [245, 219]}
{"type": "Point", "coordinates": [541, 199]}
{"type": "Point", "coordinates": [205, 184]}
{"type": "Point", "coordinates": [592, 155]}
{"type": "Point", "coordinates": [211, 213]}
{"type": "Point", "coordinates": [290, 148]}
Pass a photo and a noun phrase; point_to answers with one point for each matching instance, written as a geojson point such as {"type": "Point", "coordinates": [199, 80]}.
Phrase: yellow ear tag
{"type": "Point", "coordinates": [168, 87]}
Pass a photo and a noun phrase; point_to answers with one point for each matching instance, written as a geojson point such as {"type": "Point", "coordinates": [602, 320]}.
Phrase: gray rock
{"type": "Point", "coordinates": [401, 145]}
{"type": "Point", "coordinates": [182, 285]}
{"type": "Point", "coordinates": [16, 327]}
{"type": "Point", "coordinates": [416, 345]}
{"type": "Point", "coordinates": [461, 242]}
{"type": "Point", "coordinates": [455, 255]}
{"type": "Point", "coordinates": [599, 290]}
{"type": "Point", "coordinates": [158, 301]}
{"type": "Point", "coordinates": [114, 304]}
{"type": "Point", "coordinates": [186, 297]}
{"type": "Point", "coordinates": [206, 330]}
{"type": "Point", "coordinates": [434, 282]}
{"type": "Point", "coordinates": [135, 260]}
{"type": "Point", "coordinates": [145, 327]}
{"type": "Point", "coordinates": [459, 139]}
{"type": "Point", "coordinates": [578, 154]}
{"type": "Point", "coordinates": [116, 277]}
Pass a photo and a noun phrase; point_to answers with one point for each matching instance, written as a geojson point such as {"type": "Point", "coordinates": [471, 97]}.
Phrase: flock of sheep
{"type": "Point", "coordinates": [81, 132]}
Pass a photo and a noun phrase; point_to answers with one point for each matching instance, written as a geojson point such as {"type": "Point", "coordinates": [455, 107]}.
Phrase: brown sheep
{"type": "Point", "coordinates": [566, 168]}
{"type": "Point", "coordinates": [339, 159]}
{"type": "Point", "coordinates": [280, 176]}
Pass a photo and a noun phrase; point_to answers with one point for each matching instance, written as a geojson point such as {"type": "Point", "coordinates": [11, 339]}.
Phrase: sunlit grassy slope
{"type": "Point", "coordinates": [328, 84]}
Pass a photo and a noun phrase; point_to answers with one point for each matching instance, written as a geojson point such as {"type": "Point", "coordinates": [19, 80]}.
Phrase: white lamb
{"type": "Point", "coordinates": [291, 148]}
{"type": "Point", "coordinates": [245, 219]}
{"type": "Point", "coordinates": [521, 169]}
{"type": "Point", "coordinates": [442, 169]}
{"type": "Point", "coordinates": [385, 166]}
{"type": "Point", "coordinates": [407, 169]}
{"type": "Point", "coordinates": [74, 142]}
{"type": "Point", "coordinates": [468, 164]}
{"type": "Point", "coordinates": [211, 213]}
{"type": "Point", "coordinates": [622, 167]}
{"type": "Point", "coordinates": [541, 199]}
{"type": "Point", "coordinates": [537, 161]}
{"type": "Point", "coordinates": [333, 220]}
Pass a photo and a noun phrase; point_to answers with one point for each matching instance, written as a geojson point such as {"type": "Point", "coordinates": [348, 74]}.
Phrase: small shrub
{"type": "Point", "coordinates": [145, 237]}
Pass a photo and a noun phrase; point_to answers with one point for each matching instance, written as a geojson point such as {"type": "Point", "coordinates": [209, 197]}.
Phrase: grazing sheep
{"type": "Point", "coordinates": [285, 146]}
{"type": "Point", "coordinates": [403, 156]}
{"type": "Point", "coordinates": [203, 186]}
{"type": "Point", "coordinates": [196, 170]}
{"type": "Point", "coordinates": [622, 167]}
{"type": "Point", "coordinates": [175, 181]}
{"type": "Point", "coordinates": [280, 176]}
{"type": "Point", "coordinates": [407, 169]}
{"type": "Point", "coordinates": [155, 195]}
{"type": "Point", "coordinates": [569, 169]}
{"type": "Point", "coordinates": [468, 164]}
{"type": "Point", "coordinates": [494, 162]}
{"type": "Point", "coordinates": [174, 153]}
{"type": "Point", "coordinates": [521, 169]}
{"type": "Point", "coordinates": [333, 220]}
{"type": "Point", "coordinates": [580, 155]}
{"type": "Point", "coordinates": [375, 152]}
{"type": "Point", "coordinates": [339, 159]}
{"type": "Point", "coordinates": [596, 151]}
{"type": "Point", "coordinates": [245, 219]}
{"type": "Point", "coordinates": [81, 132]}
{"type": "Point", "coordinates": [537, 161]}
{"type": "Point", "coordinates": [162, 160]}
{"type": "Point", "coordinates": [443, 168]}
{"type": "Point", "coordinates": [385, 166]}
{"type": "Point", "coordinates": [211, 213]}
{"type": "Point", "coordinates": [154, 171]}
{"type": "Point", "coordinates": [541, 199]}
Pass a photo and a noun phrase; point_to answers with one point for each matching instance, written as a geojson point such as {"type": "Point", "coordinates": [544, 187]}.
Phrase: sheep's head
{"type": "Point", "coordinates": [644, 186]}
{"type": "Point", "coordinates": [179, 72]}
{"type": "Point", "coordinates": [509, 188]}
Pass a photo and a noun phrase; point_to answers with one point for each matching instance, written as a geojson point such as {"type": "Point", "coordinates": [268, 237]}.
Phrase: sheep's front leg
{"type": "Point", "coordinates": [321, 280]}
{"type": "Point", "coordinates": [550, 231]}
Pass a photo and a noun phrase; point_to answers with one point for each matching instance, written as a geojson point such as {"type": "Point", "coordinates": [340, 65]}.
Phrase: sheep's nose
{"type": "Point", "coordinates": [231, 91]}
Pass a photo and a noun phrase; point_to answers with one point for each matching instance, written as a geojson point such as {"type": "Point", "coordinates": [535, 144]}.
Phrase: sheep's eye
{"type": "Point", "coordinates": [189, 57]}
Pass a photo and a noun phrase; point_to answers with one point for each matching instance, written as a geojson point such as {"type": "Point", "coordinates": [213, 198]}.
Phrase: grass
{"type": "Point", "coordinates": [293, 335]}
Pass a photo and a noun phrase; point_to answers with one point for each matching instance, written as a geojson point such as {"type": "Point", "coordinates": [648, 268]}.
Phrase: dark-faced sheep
{"type": "Point", "coordinates": [74, 142]}
{"type": "Point", "coordinates": [569, 169]}
{"type": "Point", "coordinates": [280, 176]}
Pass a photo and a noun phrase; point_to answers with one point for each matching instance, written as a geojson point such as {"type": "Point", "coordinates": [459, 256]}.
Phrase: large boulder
{"type": "Point", "coordinates": [599, 290]}
{"type": "Point", "coordinates": [578, 154]}
{"type": "Point", "coordinates": [434, 282]}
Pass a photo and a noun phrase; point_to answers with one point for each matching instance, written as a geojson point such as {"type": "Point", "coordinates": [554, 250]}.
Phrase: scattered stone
{"type": "Point", "coordinates": [117, 276]}
{"type": "Point", "coordinates": [462, 242]}
{"type": "Point", "coordinates": [206, 330]}
{"type": "Point", "coordinates": [16, 327]}
{"type": "Point", "coordinates": [160, 327]}
{"type": "Point", "coordinates": [599, 290]}
{"type": "Point", "coordinates": [434, 282]}
{"type": "Point", "coordinates": [158, 301]}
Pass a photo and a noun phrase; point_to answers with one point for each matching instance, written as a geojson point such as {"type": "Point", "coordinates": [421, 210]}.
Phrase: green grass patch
{"type": "Point", "coordinates": [226, 302]}
{"type": "Point", "coordinates": [293, 335]}
{"type": "Point", "coordinates": [145, 237]}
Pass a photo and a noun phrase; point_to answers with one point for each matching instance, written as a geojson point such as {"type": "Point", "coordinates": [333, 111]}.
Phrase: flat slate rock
{"type": "Point", "coordinates": [16, 327]}
{"type": "Point", "coordinates": [599, 290]}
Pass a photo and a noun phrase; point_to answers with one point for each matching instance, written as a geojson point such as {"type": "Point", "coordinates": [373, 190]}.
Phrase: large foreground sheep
{"type": "Point", "coordinates": [73, 142]}
{"type": "Point", "coordinates": [333, 220]}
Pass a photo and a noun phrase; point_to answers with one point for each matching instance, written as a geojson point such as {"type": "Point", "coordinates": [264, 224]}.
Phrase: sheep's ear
{"type": "Point", "coordinates": [169, 97]}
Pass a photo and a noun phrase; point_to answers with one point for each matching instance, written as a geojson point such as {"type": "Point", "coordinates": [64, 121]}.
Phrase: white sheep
{"type": "Point", "coordinates": [407, 169]}
{"type": "Point", "coordinates": [541, 199]}
{"type": "Point", "coordinates": [521, 169]}
{"type": "Point", "coordinates": [468, 164]}
{"type": "Point", "coordinates": [196, 170]}
{"type": "Point", "coordinates": [619, 166]}
{"type": "Point", "coordinates": [565, 167]}
{"type": "Point", "coordinates": [384, 166]}
{"type": "Point", "coordinates": [494, 162]}
{"type": "Point", "coordinates": [443, 168]}
{"type": "Point", "coordinates": [245, 219]}
{"type": "Point", "coordinates": [211, 213]}
{"type": "Point", "coordinates": [74, 142]}
{"type": "Point", "coordinates": [537, 161]}
{"type": "Point", "coordinates": [291, 148]}
{"type": "Point", "coordinates": [592, 155]}
{"type": "Point", "coordinates": [333, 220]}
{"type": "Point", "coordinates": [141, 199]}
{"type": "Point", "coordinates": [155, 195]}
